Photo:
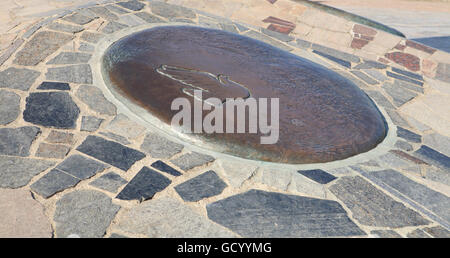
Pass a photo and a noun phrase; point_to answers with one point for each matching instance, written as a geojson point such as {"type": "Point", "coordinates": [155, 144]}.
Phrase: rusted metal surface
{"type": "Point", "coordinates": [323, 116]}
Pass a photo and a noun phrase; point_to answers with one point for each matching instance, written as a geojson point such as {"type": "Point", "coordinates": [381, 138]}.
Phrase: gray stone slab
{"type": "Point", "coordinates": [42, 45]}
{"type": "Point", "coordinates": [368, 64]}
{"type": "Point", "coordinates": [10, 50]}
{"type": "Point", "coordinates": [51, 109]}
{"type": "Point", "coordinates": [418, 233]}
{"type": "Point", "coordinates": [437, 232]}
{"type": "Point", "coordinates": [86, 47]}
{"type": "Point", "coordinates": [144, 185]}
{"type": "Point", "coordinates": [81, 167]}
{"type": "Point", "coordinates": [132, 5]}
{"type": "Point", "coordinates": [372, 207]}
{"type": "Point", "coordinates": [65, 27]}
{"type": "Point", "coordinates": [80, 74]}
{"type": "Point", "coordinates": [160, 147]}
{"type": "Point", "coordinates": [168, 218]}
{"type": "Point", "coordinates": [433, 157]}
{"type": "Point", "coordinates": [380, 99]}
{"type": "Point", "coordinates": [91, 37]}
{"type": "Point", "coordinates": [397, 119]}
{"type": "Point", "coordinates": [110, 152]}
{"type": "Point", "coordinates": [115, 9]}
{"type": "Point", "coordinates": [110, 182]}
{"type": "Point", "coordinates": [84, 213]}
{"type": "Point", "coordinates": [161, 166]}
{"type": "Point", "coordinates": [18, 79]}
{"type": "Point", "coordinates": [318, 175]}
{"type": "Point", "coordinates": [104, 13]}
{"type": "Point", "coordinates": [408, 86]}
{"type": "Point", "coordinates": [432, 200]}
{"type": "Point", "coordinates": [403, 145]}
{"type": "Point", "coordinates": [90, 123]}
{"type": "Point", "coordinates": [53, 86]}
{"type": "Point", "coordinates": [203, 186]}
{"type": "Point", "coordinates": [408, 135]}
{"type": "Point", "coordinates": [9, 107]}
{"type": "Point", "coordinates": [112, 27]}
{"type": "Point", "coordinates": [131, 20]}
{"type": "Point", "coordinates": [265, 214]}
{"type": "Point", "coordinates": [376, 74]}
{"type": "Point", "coordinates": [95, 100]}
{"type": "Point", "coordinates": [115, 137]}
{"type": "Point", "coordinates": [438, 175]}
{"type": "Point", "coordinates": [403, 78]}
{"type": "Point", "coordinates": [78, 19]}
{"type": "Point", "coordinates": [412, 75]}
{"type": "Point", "coordinates": [385, 234]}
{"type": "Point", "coordinates": [438, 142]}
{"type": "Point", "coordinates": [60, 137]}
{"type": "Point", "coordinates": [190, 160]}
{"type": "Point", "coordinates": [17, 141]}
{"type": "Point", "coordinates": [336, 53]}
{"type": "Point", "coordinates": [268, 40]}
{"type": "Point", "coordinates": [364, 77]}
{"type": "Point", "coordinates": [400, 95]}
{"type": "Point", "coordinates": [17, 172]}
{"type": "Point", "coordinates": [124, 126]}
{"type": "Point", "coordinates": [279, 36]}
{"type": "Point", "coordinates": [52, 151]}
{"type": "Point", "coordinates": [65, 58]}
{"type": "Point", "coordinates": [171, 11]}
{"type": "Point", "coordinates": [303, 44]}
{"type": "Point", "coordinates": [149, 18]}
{"type": "Point", "coordinates": [53, 182]}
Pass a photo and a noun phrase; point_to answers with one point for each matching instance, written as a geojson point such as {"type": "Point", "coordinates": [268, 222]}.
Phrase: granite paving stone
{"type": "Point", "coordinates": [94, 98]}
{"type": "Point", "coordinates": [191, 160]}
{"type": "Point", "coordinates": [397, 119]}
{"type": "Point", "coordinates": [203, 186]}
{"type": "Point", "coordinates": [167, 218]}
{"type": "Point", "coordinates": [53, 182]}
{"type": "Point", "coordinates": [367, 64]}
{"type": "Point", "coordinates": [432, 200]}
{"type": "Point", "coordinates": [115, 9]}
{"type": "Point", "coordinates": [132, 5]}
{"type": "Point", "coordinates": [115, 137]}
{"type": "Point", "coordinates": [433, 157]}
{"type": "Point", "coordinates": [258, 213]}
{"type": "Point", "coordinates": [131, 20]}
{"type": "Point", "coordinates": [237, 172]}
{"type": "Point", "coordinates": [334, 59]}
{"type": "Point", "coordinates": [110, 152]}
{"type": "Point", "coordinates": [85, 47]}
{"type": "Point", "coordinates": [160, 147]}
{"type": "Point", "coordinates": [6, 54]}
{"type": "Point", "coordinates": [408, 86]}
{"type": "Point", "coordinates": [399, 95]}
{"type": "Point", "coordinates": [171, 11]}
{"type": "Point", "coordinates": [91, 37]}
{"type": "Point", "coordinates": [78, 19]}
{"type": "Point", "coordinates": [149, 18]}
{"type": "Point", "coordinates": [54, 86]}
{"type": "Point", "coordinates": [90, 123]}
{"type": "Point", "coordinates": [301, 44]}
{"type": "Point", "coordinates": [335, 53]}
{"type": "Point", "coordinates": [53, 151]}
{"type": "Point", "coordinates": [380, 99]}
{"type": "Point", "coordinates": [110, 182]}
{"type": "Point", "coordinates": [42, 45]}
{"type": "Point", "coordinates": [414, 76]}
{"type": "Point", "coordinates": [60, 137]}
{"type": "Point", "coordinates": [65, 27]}
{"type": "Point", "coordinates": [385, 234]}
{"type": "Point", "coordinates": [9, 107]}
{"type": "Point", "coordinates": [364, 77]}
{"type": "Point", "coordinates": [408, 135]}
{"type": "Point", "coordinates": [418, 233]}
{"type": "Point", "coordinates": [85, 213]}
{"type": "Point", "coordinates": [161, 166]}
{"type": "Point", "coordinates": [437, 232]}
{"type": "Point", "coordinates": [376, 74]}
{"type": "Point", "coordinates": [17, 172]}
{"type": "Point", "coordinates": [372, 207]}
{"type": "Point", "coordinates": [144, 185]}
{"type": "Point", "coordinates": [81, 167]}
{"type": "Point", "coordinates": [51, 109]}
{"type": "Point", "coordinates": [112, 27]}
{"type": "Point", "coordinates": [103, 13]}
{"type": "Point", "coordinates": [80, 74]}
{"type": "Point", "coordinates": [70, 58]}
{"type": "Point", "coordinates": [17, 78]}
{"type": "Point", "coordinates": [318, 175]}
{"type": "Point", "coordinates": [268, 40]}
{"type": "Point", "coordinates": [17, 141]}
{"type": "Point", "coordinates": [438, 142]}
{"type": "Point", "coordinates": [403, 78]}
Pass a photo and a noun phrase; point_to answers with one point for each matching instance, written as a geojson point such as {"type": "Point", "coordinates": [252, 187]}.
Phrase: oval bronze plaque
{"type": "Point", "coordinates": [323, 116]}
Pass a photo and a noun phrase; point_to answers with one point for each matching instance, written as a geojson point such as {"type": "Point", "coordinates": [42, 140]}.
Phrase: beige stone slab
{"type": "Point", "coordinates": [423, 113]}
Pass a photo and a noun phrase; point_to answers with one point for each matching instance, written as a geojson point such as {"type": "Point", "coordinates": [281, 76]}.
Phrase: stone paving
{"type": "Point", "coordinates": [76, 163]}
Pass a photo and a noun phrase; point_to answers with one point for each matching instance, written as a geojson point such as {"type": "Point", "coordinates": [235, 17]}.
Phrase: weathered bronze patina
{"type": "Point", "coordinates": [323, 116]}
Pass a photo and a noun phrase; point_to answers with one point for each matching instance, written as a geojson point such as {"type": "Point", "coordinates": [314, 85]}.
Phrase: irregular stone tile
{"type": "Point", "coordinates": [385, 234]}
{"type": "Point", "coordinates": [277, 35]}
{"type": "Point", "coordinates": [275, 178]}
{"type": "Point", "coordinates": [438, 142]}
{"type": "Point", "coordinates": [122, 125]}
{"type": "Point", "coordinates": [132, 5]}
{"type": "Point", "coordinates": [372, 207]}
{"type": "Point", "coordinates": [51, 109]}
{"type": "Point", "coordinates": [191, 160]}
{"type": "Point", "coordinates": [110, 152]}
{"type": "Point", "coordinates": [104, 13]}
{"type": "Point", "coordinates": [408, 135]}
{"type": "Point", "coordinates": [418, 233]}
{"type": "Point", "coordinates": [17, 172]}
{"type": "Point", "coordinates": [396, 118]}
{"type": "Point", "coordinates": [364, 77]}
{"type": "Point", "coordinates": [237, 172]}
{"type": "Point", "coordinates": [86, 47]}
{"type": "Point", "coordinates": [131, 20]}
{"type": "Point", "coordinates": [54, 86]}
{"type": "Point", "coordinates": [414, 76]}
{"type": "Point", "coordinates": [335, 53]}
{"type": "Point", "coordinates": [438, 232]}
{"type": "Point", "coordinates": [81, 167]}
{"type": "Point", "coordinates": [53, 151]}
{"type": "Point", "coordinates": [171, 11]}
{"type": "Point", "coordinates": [17, 141]}
{"type": "Point", "coordinates": [9, 107]}
{"type": "Point", "coordinates": [169, 218]}
{"type": "Point", "coordinates": [149, 18]}
{"type": "Point", "coordinates": [432, 200]}
{"type": "Point", "coordinates": [408, 157]}
{"type": "Point", "coordinates": [6, 54]}
{"type": "Point", "coordinates": [334, 59]}
{"type": "Point", "coordinates": [408, 86]}
{"type": "Point", "coordinates": [144, 185]}
{"type": "Point", "coordinates": [403, 78]}
{"type": "Point", "coordinates": [85, 213]}
{"type": "Point", "coordinates": [21, 216]}
{"type": "Point", "coordinates": [42, 45]}
{"type": "Point", "coordinates": [264, 214]}
{"type": "Point", "coordinates": [438, 175]}
{"type": "Point", "coordinates": [115, 9]}
{"type": "Point", "coordinates": [380, 99]}
{"type": "Point", "coordinates": [112, 27]}
{"type": "Point", "coordinates": [318, 175]}
{"type": "Point", "coordinates": [65, 27]}
{"type": "Point", "coordinates": [367, 64]}
{"type": "Point", "coordinates": [60, 137]}
{"type": "Point", "coordinates": [18, 79]}
{"type": "Point", "coordinates": [88, 13]}
{"type": "Point", "coordinates": [74, 73]}
{"type": "Point", "coordinates": [94, 98]}
{"type": "Point", "coordinates": [268, 40]}
{"type": "Point", "coordinates": [433, 157]}
{"type": "Point", "coordinates": [91, 37]}
{"type": "Point", "coordinates": [399, 95]}
{"type": "Point", "coordinates": [78, 19]}
{"type": "Point", "coordinates": [115, 137]}
{"type": "Point", "coordinates": [376, 74]}
{"type": "Point", "coordinates": [70, 58]}
{"type": "Point", "coordinates": [53, 182]}
{"type": "Point", "coordinates": [159, 147]}
{"type": "Point", "coordinates": [161, 166]}
{"type": "Point", "coordinates": [110, 182]}
{"type": "Point", "coordinates": [90, 123]}
{"type": "Point", "coordinates": [203, 186]}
